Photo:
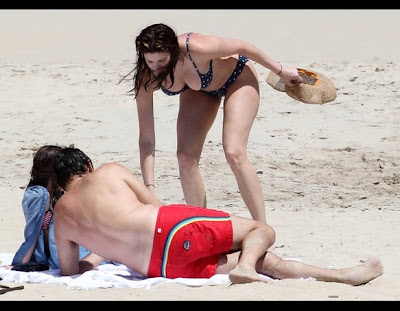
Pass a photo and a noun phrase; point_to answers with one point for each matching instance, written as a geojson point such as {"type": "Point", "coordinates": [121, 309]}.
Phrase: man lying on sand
{"type": "Point", "coordinates": [112, 213]}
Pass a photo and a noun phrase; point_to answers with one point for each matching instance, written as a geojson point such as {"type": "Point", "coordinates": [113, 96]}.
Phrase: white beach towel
{"type": "Point", "coordinates": [105, 276]}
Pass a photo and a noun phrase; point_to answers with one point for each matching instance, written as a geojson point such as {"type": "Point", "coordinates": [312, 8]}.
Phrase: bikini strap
{"type": "Point", "coordinates": [188, 53]}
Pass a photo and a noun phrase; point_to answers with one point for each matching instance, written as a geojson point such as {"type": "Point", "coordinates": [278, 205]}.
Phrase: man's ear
{"type": "Point", "coordinates": [90, 167]}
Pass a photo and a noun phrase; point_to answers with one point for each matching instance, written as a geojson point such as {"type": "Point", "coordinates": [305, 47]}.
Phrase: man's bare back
{"type": "Point", "coordinates": [116, 225]}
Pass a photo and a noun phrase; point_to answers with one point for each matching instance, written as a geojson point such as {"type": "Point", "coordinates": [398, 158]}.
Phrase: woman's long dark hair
{"type": "Point", "coordinates": [42, 172]}
{"type": "Point", "coordinates": [152, 39]}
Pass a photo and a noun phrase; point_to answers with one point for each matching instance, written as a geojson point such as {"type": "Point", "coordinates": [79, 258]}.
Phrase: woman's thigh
{"type": "Point", "coordinates": [197, 112]}
{"type": "Point", "coordinates": [241, 105]}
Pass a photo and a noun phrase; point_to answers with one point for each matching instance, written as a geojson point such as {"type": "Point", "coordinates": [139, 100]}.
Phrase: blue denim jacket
{"type": "Point", "coordinates": [34, 206]}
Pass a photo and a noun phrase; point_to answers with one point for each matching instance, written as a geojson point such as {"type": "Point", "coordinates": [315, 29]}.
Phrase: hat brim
{"type": "Point", "coordinates": [315, 88]}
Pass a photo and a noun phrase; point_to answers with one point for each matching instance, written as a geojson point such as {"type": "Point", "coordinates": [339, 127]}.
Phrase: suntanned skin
{"type": "Point", "coordinates": [112, 213]}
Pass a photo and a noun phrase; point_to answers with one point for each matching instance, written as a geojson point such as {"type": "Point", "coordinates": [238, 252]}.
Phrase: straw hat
{"type": "Point", "coordinates": [315, 89]}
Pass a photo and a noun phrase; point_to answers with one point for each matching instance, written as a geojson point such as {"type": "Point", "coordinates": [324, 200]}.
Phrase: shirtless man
{"type": "Point", "coordinates": [112, 213]}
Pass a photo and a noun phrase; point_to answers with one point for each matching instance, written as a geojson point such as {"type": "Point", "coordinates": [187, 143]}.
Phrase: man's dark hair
{"type": "Point", "coordinates": [68, 163]}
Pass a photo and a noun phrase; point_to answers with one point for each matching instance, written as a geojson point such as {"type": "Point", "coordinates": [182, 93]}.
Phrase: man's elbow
{"type": "Point", "coordinates": [86, 266]}
{"type": "Point", "coordinates": [64, 273]}
{"type": "Point", "coordinates": [68, 272]}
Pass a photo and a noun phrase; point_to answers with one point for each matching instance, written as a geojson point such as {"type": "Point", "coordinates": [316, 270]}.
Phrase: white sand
{"type": "Point", "coordinates": [330, 174]}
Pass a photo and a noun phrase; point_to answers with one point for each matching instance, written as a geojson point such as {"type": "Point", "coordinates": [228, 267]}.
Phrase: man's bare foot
{"type": "Point", "coordinates": [363, 273]}
{"type": "Point", "coordinates": [241, 275]}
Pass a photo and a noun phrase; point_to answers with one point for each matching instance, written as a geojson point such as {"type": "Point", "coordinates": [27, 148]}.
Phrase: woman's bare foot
{"type": "Point", "coordinates": [242, 275]}
{"type": "Point", "coordinates": [363, 273]}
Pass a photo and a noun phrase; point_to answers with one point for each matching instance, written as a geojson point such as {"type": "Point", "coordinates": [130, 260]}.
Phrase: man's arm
{"type": "Point", "coordinates": [68, 255]}
{"type": "Point", "coordinates": [89, 262]}
{"type": "Point", "coordinates": [141, 191]}
{"type": "Point", "coordinates": [68, 251]}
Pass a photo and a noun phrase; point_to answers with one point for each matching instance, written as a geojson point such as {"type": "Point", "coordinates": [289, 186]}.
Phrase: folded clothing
{"type": "Point", "coordinates": [30, 266]}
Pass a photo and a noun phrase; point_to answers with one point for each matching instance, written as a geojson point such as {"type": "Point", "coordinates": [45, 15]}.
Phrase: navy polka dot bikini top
{"type": "Point", "coordinates": [205, 78]}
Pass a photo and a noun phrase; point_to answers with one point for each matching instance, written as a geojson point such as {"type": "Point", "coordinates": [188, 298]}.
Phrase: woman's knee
{"type": "Point", "coordinates": [186, 159]}
{"type": "Point", "coordinates": [234, 155]}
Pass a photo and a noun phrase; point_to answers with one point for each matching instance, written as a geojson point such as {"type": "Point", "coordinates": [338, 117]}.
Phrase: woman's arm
{"type": "Point", "coordinates": [144, 103]}
{"type": "Point", "coordinates": [210, 47]}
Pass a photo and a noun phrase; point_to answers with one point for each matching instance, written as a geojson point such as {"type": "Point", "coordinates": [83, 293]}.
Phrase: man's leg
{"type": "Point", "coordinates": [253, 239]}
{"type": "Point", "coordinates": [249, 256]}
{"type": "Point", "coordinates": [277, 268]}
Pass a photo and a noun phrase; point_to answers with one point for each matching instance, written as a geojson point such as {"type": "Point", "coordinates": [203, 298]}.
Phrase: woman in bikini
{"type": "Point", "coordinates": [203, 70]}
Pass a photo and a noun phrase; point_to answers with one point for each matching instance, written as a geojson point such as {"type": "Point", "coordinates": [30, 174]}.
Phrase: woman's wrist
{"type": "Point", "coordinates": [280, 70]}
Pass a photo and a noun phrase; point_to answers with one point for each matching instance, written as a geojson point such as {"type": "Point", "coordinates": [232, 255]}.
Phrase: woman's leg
{"type": "Point", "coordinates": [240, 109]}
{"type": "Point", "coordinates": [197, 112]}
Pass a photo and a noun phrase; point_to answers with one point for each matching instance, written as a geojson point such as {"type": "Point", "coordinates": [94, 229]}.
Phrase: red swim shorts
{"type": "Point", "coordinates": [188, 241]}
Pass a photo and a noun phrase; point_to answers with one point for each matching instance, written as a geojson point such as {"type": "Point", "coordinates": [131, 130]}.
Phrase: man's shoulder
{"type": "Point", "coordinates": [110, 166]}
{"type": "Point", "coordinates": [110, 171]}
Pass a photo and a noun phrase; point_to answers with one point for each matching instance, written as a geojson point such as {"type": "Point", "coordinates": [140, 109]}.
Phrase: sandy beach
{"type": "Point", "coordinates": [330, 173]}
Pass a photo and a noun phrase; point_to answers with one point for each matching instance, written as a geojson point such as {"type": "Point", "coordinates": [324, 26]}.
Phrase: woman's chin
{"type": "Point", "coordinates": [157, 71]}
